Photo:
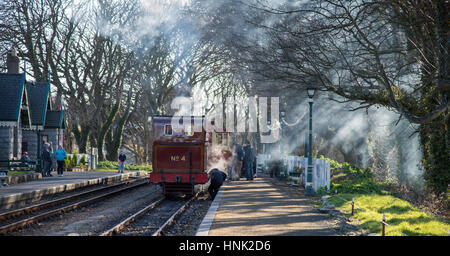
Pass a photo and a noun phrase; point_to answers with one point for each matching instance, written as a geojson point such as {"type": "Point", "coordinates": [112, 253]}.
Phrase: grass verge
{"type": "Point", "coordinates": [113, 166]}
{"type": "Point", "coordinates": [402, 217]}
{"type": "Point", "coordinates": [15, 173]}
{"type": "Point", "coordinates": [372, 201]}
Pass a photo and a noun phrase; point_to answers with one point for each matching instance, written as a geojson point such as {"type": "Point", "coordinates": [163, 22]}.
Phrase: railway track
{"type": "Point", "coordinates": [19, 218]}
{"type": "Point", "coordinates": [151, 220]}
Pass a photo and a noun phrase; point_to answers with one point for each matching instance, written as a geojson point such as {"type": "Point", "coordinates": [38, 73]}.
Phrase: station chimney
{"type": "Point", "coordinates": [12, 62]}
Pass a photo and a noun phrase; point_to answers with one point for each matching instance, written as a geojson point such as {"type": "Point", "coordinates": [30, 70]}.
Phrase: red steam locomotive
{"type": "Point", "coordinates": [181, 159]}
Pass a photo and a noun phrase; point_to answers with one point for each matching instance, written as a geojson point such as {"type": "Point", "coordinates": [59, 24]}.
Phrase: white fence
{"type": "Point", "coordinates": [87, 157]}
{"type": "Point", "coordinates": [321, 171]}
{"type": "Point", "coordinates": [261, 161]}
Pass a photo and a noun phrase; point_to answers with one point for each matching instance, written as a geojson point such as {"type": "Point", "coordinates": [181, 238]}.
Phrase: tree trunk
{"type": "Point", "coordinates": [114, 138]}
{"type": "Point", "coordinates": [434, 136]}
{"type": "Point", "coordinates": [106, 126]}
{"type": "Point", "coordinates": [436, 155]}
{"type": "Point", "coordinates": [81, 136]}
{"type": "Point", "coordinates": [110, 156]}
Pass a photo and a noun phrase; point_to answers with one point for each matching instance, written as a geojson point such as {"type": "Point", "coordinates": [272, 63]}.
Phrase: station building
{"type": "Point", "coordinates": [27, 117]}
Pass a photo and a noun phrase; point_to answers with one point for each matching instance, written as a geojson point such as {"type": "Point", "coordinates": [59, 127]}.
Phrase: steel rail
{"type": "Point", "coordinates": [114, 230]}
{"type": "Point", "coordinates": [13, 226]}
{"type": "Point", "coordinates": [172, 218]}
{"type": "Point", "coordinates": [26, 210]}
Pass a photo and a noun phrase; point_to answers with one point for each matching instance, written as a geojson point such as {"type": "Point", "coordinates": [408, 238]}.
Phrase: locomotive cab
{"type": "Point", "coordinates": [179, 155]}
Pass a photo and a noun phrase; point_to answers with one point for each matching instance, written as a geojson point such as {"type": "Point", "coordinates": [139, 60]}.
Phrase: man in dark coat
{"type": "Point", "coordinates": [46, 160]}
{"type": "Point", "coordinates": [239, 158]}
{"type": "Point", "coordinates": [217, 178]}
{"type": "Point", "coordinates": [248, 160]}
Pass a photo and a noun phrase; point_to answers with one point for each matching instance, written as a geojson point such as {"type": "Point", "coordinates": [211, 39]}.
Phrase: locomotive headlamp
{"type": "Point", "coordinates": [311, 90]}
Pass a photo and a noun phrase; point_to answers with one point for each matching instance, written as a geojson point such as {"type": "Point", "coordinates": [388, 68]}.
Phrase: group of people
{"type": "Point", "coordinates": [243, 161]}
{"type": "Point", "coordinates": [47, 157]}
{"type": "Point", "coordinates": [60, 155]}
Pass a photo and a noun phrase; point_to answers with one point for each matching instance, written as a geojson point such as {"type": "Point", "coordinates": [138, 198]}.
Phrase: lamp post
{"type": "Point", "coordinates": [283, 115]}
{"type": "Point", "coordinates": [306, 144]}
{"type": "Point", "coordinates": [38, 155]}
{"type": "Point", "coordinates": [265, 144]}
{"type": "Point", "coordinates": [311, 90]}
{"type": "Point", "coordinates": [282, 147]}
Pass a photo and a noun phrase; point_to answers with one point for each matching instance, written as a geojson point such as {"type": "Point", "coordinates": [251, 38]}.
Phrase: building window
{"type": "Point", "coordinates": [16, 142]}
{"type": "Point", "coordinates": [24, 146]}
{"type": "Point", "coordinates": [189, 130]}
{"type": "Point", "coordinates": [168, 130]}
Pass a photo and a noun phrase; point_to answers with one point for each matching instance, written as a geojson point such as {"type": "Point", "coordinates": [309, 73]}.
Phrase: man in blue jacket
{"type": "Point", "coordinates": [60, 156]}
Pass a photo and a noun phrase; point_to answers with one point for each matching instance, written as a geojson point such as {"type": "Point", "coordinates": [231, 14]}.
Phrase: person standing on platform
{"type": "Point", "coordinates": [52, 156]}
{"type": "Point", "coordinates": [248, 160]}
{"type": "Point", "coordinates": [122, 158]}
{"type": "Point", "coordinates": [233, 168]}
{"type": "Point", "coordinates": [44, 173]}
{"type": "Point", "coordinates": [60, 156]}
{"type": "Point", "coordinates": [46, 160]}
{"type": "Point", "coordinates": [239, 158]}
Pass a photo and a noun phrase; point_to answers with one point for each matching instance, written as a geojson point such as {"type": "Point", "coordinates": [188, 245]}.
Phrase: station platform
{"type": "Point", "coordinates": [33, 191]}
{"type": "Point", "coordinates": [260, 208]}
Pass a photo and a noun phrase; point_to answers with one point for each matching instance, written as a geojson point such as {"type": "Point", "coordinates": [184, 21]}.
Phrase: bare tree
{"type": "Point", "coordinates": [376, 53]}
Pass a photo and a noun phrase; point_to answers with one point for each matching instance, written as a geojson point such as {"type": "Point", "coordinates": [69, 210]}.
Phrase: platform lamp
{"type": "Point", "coordinates": [311, 90]}
{"type": "Point", "coordinates": [264, 145]}
{"type": "Point", "coordinates": [283, 115]}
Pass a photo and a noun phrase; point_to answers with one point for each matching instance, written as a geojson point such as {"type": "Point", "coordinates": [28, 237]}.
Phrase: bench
{"type": "Point", "coordinates": [19, 164]}
{"type": "Point", "coordinates": [14, 165]}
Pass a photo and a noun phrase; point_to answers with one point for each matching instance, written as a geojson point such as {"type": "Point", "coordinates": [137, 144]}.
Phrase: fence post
{"type": "Point", "coordinates": [383, 225]}
{"type": "Point", "coordinates": [353, 205]}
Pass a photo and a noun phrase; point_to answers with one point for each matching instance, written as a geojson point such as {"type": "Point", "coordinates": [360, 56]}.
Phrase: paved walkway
{"type": "Point", "coordinates": [258, 208]}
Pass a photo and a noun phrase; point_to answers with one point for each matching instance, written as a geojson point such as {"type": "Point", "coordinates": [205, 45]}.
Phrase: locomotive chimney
{"type": "Point", "coordinates": [12, 62]}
